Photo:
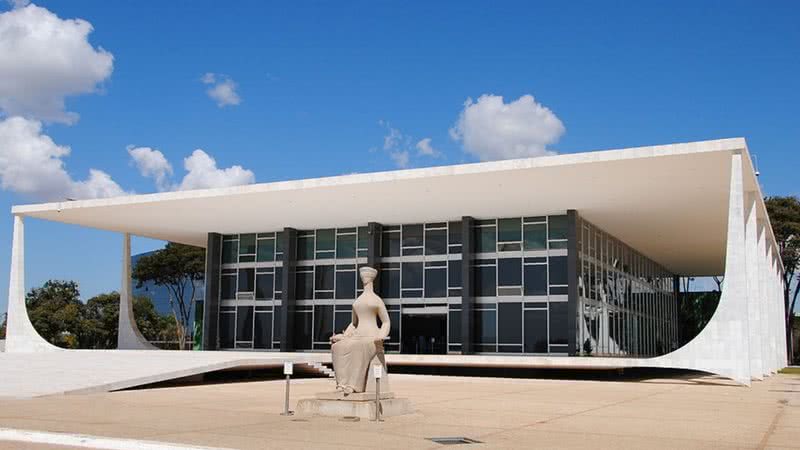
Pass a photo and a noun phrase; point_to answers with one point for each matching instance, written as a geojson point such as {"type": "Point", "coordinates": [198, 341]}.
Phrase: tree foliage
{"type": "Point", "coordinates": [3, 326]}
{"type": "Point", "coordinates": [178, 267]}
{"type": "Point", "coordinates": [784, 215]}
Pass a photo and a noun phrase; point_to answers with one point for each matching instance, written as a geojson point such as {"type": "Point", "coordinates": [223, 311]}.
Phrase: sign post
{"type": "Point", "coordinates": [378, 373]}
{"type": "Point", "coordinates": [288, 369]}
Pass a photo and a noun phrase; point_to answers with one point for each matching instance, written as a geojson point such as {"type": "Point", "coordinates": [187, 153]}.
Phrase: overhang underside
{"type": "Point", "coordinates": [668, 202]}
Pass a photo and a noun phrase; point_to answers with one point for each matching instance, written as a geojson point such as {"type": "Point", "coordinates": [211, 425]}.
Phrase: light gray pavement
{"type": "Point", "coordinates": [683, 413]}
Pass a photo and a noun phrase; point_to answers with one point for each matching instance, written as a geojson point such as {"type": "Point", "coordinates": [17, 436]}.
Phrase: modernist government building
{"type": "Point", "coordinates": [570, 260]}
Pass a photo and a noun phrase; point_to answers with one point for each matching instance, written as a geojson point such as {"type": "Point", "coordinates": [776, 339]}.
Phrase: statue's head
{"type": "Point", "coordinates": [368, 274]}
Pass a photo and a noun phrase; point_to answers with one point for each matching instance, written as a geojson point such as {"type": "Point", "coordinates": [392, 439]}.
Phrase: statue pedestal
{"type": "Point", "coordinates": [357, 404]}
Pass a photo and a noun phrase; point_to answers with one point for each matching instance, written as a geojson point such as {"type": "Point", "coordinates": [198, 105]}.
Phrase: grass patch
{"type": "Point", "coordinates": [790, 370]}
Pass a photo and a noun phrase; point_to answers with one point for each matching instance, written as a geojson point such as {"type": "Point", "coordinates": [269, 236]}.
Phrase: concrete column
{"type": "Point", "coordinates": [374, 252]}
{"type": "Point", "coordinates": [467, 285]}
{"type": "Point", "coordinates": [21, 336]}
{"type": "Point", "coordinates": [288, 298]}
{"type": "Point", "coordinates": [211, 301]}
{"type": "Point", "coordinates": [769, 303]}
{"type": "Point", "coordinates": [128, 335]}
{"type": "Point", "coordinates": [763, 299]}
{"type": "Point", "coordinates": [572, 279]}
{"type": "Point", "coordinates": [753, 297]}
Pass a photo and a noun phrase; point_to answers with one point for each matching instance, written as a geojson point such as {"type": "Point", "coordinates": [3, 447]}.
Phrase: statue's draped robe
{"type": "Point", "coordinates": [353, 354]}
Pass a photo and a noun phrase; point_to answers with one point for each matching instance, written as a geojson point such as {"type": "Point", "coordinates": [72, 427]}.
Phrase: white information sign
{"type": "Point", "coordinates": [288, 368]}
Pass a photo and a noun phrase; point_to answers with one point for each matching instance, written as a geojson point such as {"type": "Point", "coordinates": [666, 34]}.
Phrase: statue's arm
{"type": "Point", "coordinates": [386, 324]}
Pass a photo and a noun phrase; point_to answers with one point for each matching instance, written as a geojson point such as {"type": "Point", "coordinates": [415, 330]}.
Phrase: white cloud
{"type": "Point", "coordinates": [491, 129]}
{"type": "Point", "coordinates": [400, 158]}
{"type": "Point", "coordinates": [222, 89]}
{"type": "Point", "coordinates": [425, 148]}
{"type": "Point", "coordinates": [43, 60]}
{"type": "Point", "coordinates": [202, 173]}
{"type": "Point", "coordinates": [18, 3]}
{"type": "Point", "coordinates": [31, 164]}
{"type": "Point", "coordinates": [152, 164]}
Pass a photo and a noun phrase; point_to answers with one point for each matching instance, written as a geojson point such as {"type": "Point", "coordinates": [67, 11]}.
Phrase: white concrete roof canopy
{"type": "Point", "coordinates": [669, 202]}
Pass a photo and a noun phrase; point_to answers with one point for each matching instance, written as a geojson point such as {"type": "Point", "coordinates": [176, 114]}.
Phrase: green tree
{"type": "Point", "coordinates": [178, 267]}
{"type": "Point", "coordinates": [784, 215]}
{"type": "Point", "coordinates": [3, 326]}
{"type": "Point", "coordinates": [102, 321]}
{"type": "Point", "coordinates": [56, 312]}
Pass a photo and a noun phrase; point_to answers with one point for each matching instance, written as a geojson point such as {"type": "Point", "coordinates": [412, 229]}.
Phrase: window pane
{"type": "Point", "coordinates": [558, 323]}
{"type": "Point", "coordinates": [304, 288]}
{"type": "Point", "coordinates": [323, 278]}
{"type": "Point", "coordinates": [536, 280]}
{"type": "Point", "coordinates": [390, 244]}
{"type": "Point", "coordinates": [486, 326]}
{"type": "Point", "coordinates": [305, 247]}
{"type": "Point", "coordinates": [244, 323]}
{"type": "Point", "coordinates": [230, 252]}
{"type": "Point", "coordinates": [454, 270]}
{"type": "Point", "coordinates": [279, 242]}
{"type": "Point", "coordinates": [390, 283]}
{"type": "Point", "coordinates": [454, 231]}
{"type": "Point", "coordinates": [558, 269]}
{"type": "Point", "coordinates": [485, 281]}
{"type": "Point", "coordinates": [264, 284]}
{"type": "Point", "coordinates": [412, 275]}
{"type": "Point", "coordinates": [302, 330]}
{"type": "Point", "coordinates": [558, 227]}
{"type": "Point", "coordinates": [343, 320]}
{"type": "Point", "coordinates": [276, 327]}
{"type": "Point", "coordinates": [394, 331]}
{"type": "Point", "coordinates": [435, 242]}
{"type": "Point", "coordinates": [509, 272]}
{"type": "Point", "coordinates": [509, 324]}
{"type": "Point", "coordinates": [227, 328]}
{"type": "Point", "coordinates": [412, 235]}
{"type": "Point", "coordinates": [346, 246]}
{"type": "Point", "coordinates": [485, 240]}
{"type": "Point", "coordinates": [278, 280]}
{"type": "Point", "coordinates": [228, 291]}
{"type": "Point", "coordinates": [246, 280]}
{"type": "Point", "coordinates": [435, 282]}
{"type": "Point", "coordinates": [266, 250]}
{"type": "Point", "coordinates": [455, 327]}
{"type": "Point", "coordinates": [323, 326]}
{"type": "Point", "coordinates": [363, 237]}
{"type": "Point", "coordinates": [509, 230]}
{"type": "Point", "coordinates": [535, 237]}
{"type": "Point", "coordinates": [263, 335]}
{"type": "Point", "coordinates": [345, 285]}
{"type": "Point", "coordinates": [536, 331]}
{"type": "Point", "coordinates": [247, 244]}
{"type": "Point", "coordinates": [326, 239]}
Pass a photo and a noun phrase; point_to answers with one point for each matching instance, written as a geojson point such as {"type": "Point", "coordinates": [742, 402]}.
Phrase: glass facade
{"type": "Point", "coordinates": [627, 304]}
{"type": "Point", "coordinates": [520, 286]}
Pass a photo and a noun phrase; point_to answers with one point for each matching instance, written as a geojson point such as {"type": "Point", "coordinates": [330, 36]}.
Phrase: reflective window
{"type": "Point", "coordinates": [326, 243]}
{"type": "Point", "coordinates": [558, 269]}
{"type": "Point", "coordinates": [558, 227]}
{"type": "Point", "coordinates": [346, 245]}
{"type": "Point", "coordinates": [485, 239]}
{"type": "Point", "coordinates": [535, 236]}
{"type": "Point", "coordinates": [266, 250]}
{"type": "Point", "coordinates": [263, 330]}
{"type": "Point", "coordinates": [302, 330]}
{"type": "Point", "coordinates": [536, 331]}
{"type": "Point", "coordinates": [390, 243]}
{"type": "Point", "coordinates": [436, 282]}
{"type": "Point", "coordinates": [509, 323]}
{"type": "Point", "coordinates": [323, 326]}
{"type": "Point", "coordinates": [244, 323]}
{"type": "Point", "coordinates": [558, 323]}
{"type": "Point", "coordinates": [509, 230]}
{"type": "Point", "coordinates": [436, 242]}
{"type": "Point", "coordinates": [264, 286]}
{"type": "Point", "coordinates": [345, 284]}
{"type": "Point", "coordinates": [509, 272]}
{"type": "Point", "coordinates": [485, 281]}
{"type": "Point", "coordinates": [305, 247]}
{"type": "Point", "coordinates": [247, 280]}
{"type": "Point", "coordinates": [304, 286]}
{"type": "Point", "coordinates": [230, 252]}
{"type": "Point", "coordinates": [486, 326]}
{"type": "Point", "coordinates": [535, 279]}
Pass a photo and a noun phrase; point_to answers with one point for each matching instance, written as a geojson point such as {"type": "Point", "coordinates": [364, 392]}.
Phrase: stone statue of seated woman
{"type": "Point", "coordinates": [355, 349]}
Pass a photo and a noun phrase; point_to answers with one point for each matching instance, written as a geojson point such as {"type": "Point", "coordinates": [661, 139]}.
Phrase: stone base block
{"type": "Point", "coordinates": [354, 397]}
{"type": "Point", "coordinates": [363, 409]}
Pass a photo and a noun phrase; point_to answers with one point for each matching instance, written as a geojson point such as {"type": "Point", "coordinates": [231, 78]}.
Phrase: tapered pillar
{"type": "Point", "coordinates": [753, 295]}
{"type": "Point", "coordinates": [21, 336]}
{"type": "Point", "coordinates": [129, 337]}
{"type": "Point", "coordinates": [763, 300]}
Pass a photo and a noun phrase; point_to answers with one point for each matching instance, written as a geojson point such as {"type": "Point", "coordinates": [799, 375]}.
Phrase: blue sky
{"type": "Point", "coordinates": [321, 85]}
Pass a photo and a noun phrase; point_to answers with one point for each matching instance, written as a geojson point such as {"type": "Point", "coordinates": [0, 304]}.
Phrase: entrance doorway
{"type": "Point", "coordinates": [424, 334]}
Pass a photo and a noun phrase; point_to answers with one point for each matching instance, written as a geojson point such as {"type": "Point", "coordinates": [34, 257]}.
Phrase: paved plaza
{"type": "Point", "coordinates": [672, 411]}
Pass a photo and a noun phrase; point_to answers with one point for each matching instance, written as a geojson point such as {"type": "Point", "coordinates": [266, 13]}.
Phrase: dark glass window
{"type": "Point", "coordinates": [244, 323]}
{"type": "Point", "coordinates": [247, 244]}
{"type": "Point", "coordinates": [264, 286]}
{"type": "Point", "coordinates": [345, 285]}
{"type": "Point", "coordinates": [304, 287]}
{"type": "Point", "coordinates": [278, 242]}
{"type": "Point", "coordinates": [435, 242]}
{"type": "Point", "coordinates": [343, 319]}
{"type": "Point", "coordinates": [263, 334]}
{"type": "Point", "coordinates": [558, 227]}
{"type": "Point", "coordinates": [412, 235]}
{"type": "Point", "coordinates": [326, 240]}
{"type": "Point", "coordinates": [278, 280]}
{"type": "Point", "coordinates": [390, 244]}
{"type": "Point", "coordinates": [227, 330]}
{"type": "Point", "coordinates": [455, 327]}
{"type": "Point", "coordinates": [509, 323]}
{"type": "Point", "coordinates": [323, 280]}
{"type": "Point", "coordinates": [390, 283]}
{"type": "Point", "coordinates": [323, 326]}
{"type": "Point", "coordinates": [535, 237]}
{"type": "Point", "coordinates": [346, 246]}
{"type": "Point", "coordinates": [485, 281]}
{"type": "Point", "coordinates": [412, 275]}
{"type": "Point", "coordinates": [276, 330]}
{"type": "Point", "coordinates": [230, 252]}
{"type": "Point", "coordinates": [266, 250]}
{"type": "Point", "coordinates": [558, 323]}
{"type": "Point", "coordinates": [302, 330]}
{"type": "Point", "coordinates": [305, 247]}
{"type": "Point", "coordinates": [485, 240]}
{"type": "Point", "coordinates": [509, 272]}
{"type": "Point", "coordinates": [454, 232]}
{"type": "Point", "coordinates": [536, 331]}
{"type": "Point", "coordinates": [454, 270]}
{"type": "Point", "coordinates": [363, 240]}
{"type": "Point", "coordinates": [558, 269]}
{"type": "Point", "coordinates": [228, 291]}
{"type": "Point", "coordinates": [246, 280]}
{"type": "Point", "coordinates": [486, 326]}
{"type": "Point", "coordinates": [536, 279]}
{"type": "Point", "coordinates": [394, 331]}
{"type": "Point", "coordinates": [436, 282]}
{"type": "Point", "coordinates": [509, 230]}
